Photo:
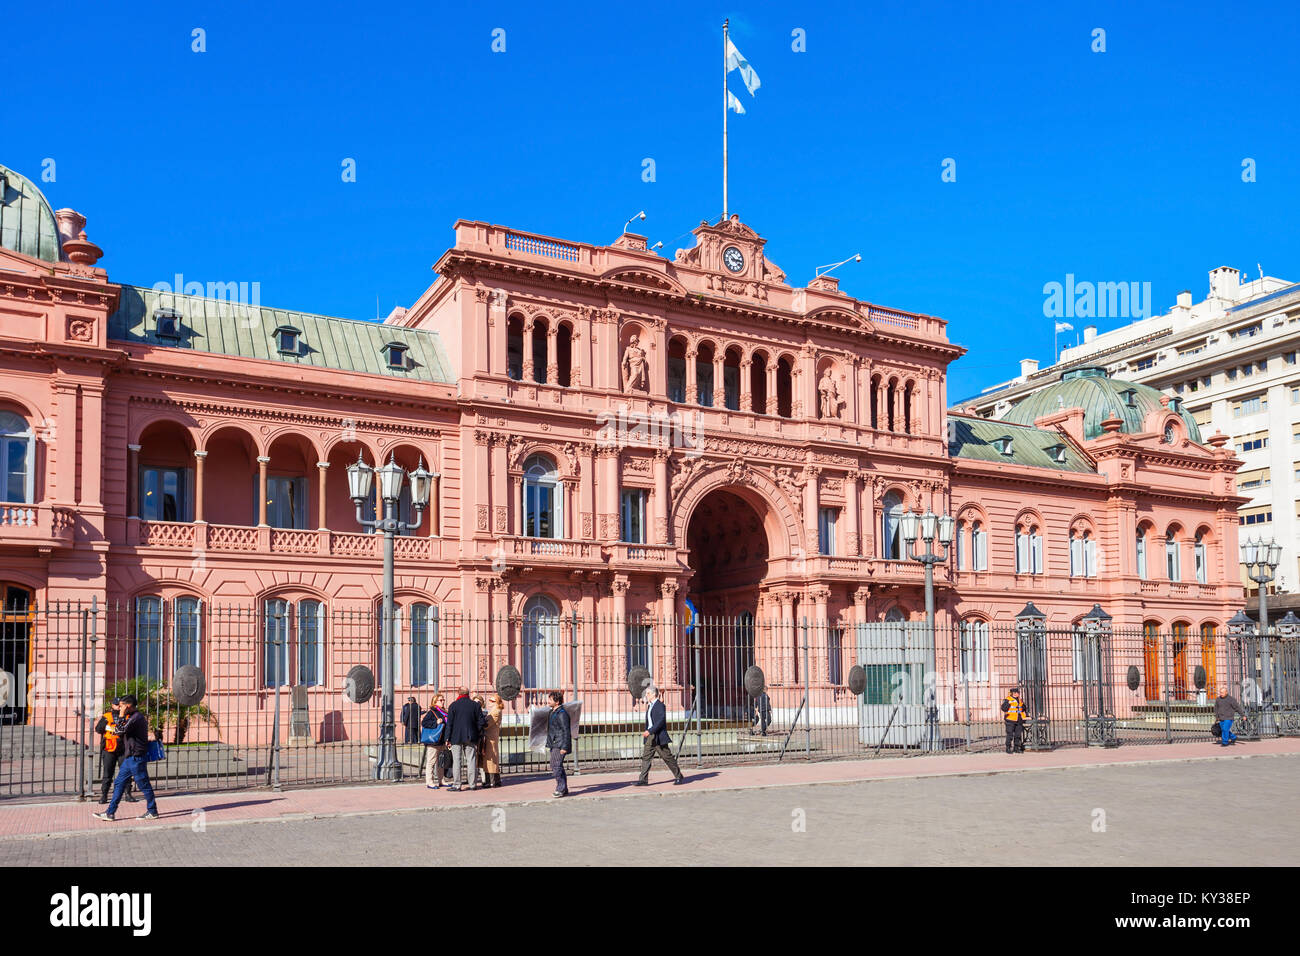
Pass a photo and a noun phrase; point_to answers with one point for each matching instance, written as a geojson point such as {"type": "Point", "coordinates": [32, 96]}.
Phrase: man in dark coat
{"type": "Point", "coordinates": [465, 721]}
{"type": "Point", "coordinates": [411, 720]}
{"type": "Point", "coordinates": [135, 734]}
{"type": "Point", "coordinates": [1224, 707]}
{"type": "Point", "coordinates": [762, 713]}
{"type": "Point", "coordinates": [656, 739]}
{"type": "Point", "coordinates": [559, 740]}
{"type": "Point", "coordinates": [112, 749]}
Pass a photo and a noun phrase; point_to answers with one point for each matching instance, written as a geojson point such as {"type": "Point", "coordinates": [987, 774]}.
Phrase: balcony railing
{"type": "Point", "coordinates": [40, 525]}
{"type": "Point", "coordinates": [235, 539]}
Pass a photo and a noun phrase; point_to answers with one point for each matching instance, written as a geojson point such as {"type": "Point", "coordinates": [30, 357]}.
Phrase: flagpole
{"type": "Point", "coordinates": [724, 117]}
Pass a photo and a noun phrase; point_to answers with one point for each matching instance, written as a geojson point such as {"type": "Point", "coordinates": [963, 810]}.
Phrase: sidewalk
{"type": "Point", "coordinates": [245, 806]}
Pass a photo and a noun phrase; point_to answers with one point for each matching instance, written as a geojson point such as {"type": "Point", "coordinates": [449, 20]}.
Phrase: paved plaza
{"type": "Point", "coordinates": [1149, 806]}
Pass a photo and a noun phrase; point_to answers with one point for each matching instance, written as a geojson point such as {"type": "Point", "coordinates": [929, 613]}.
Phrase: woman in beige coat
{"type": "Point", "coordinates": [492, 741]}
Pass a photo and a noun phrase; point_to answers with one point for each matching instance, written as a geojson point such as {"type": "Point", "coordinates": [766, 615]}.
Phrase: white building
{"type": "Point", "coordinates": [1231, 359]}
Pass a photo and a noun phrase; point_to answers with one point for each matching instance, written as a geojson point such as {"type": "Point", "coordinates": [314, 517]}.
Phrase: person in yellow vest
{"type": "Point", "coordinates": [1014, 716]}
{"type": "Point", "coordinates": [111, 748]}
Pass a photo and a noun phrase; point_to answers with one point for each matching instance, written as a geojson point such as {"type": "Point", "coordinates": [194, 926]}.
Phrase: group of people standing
{"type": "Point", "coordinates": [465, 736]}
{"type": "Point", "coordinates": [124, 745]}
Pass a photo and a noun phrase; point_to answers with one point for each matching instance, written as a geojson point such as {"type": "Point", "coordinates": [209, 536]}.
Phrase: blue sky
{"type": "Point", "coordinates": [1117, 166]}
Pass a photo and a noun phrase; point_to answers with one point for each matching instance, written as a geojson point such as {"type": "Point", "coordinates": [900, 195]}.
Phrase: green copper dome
{"type": "Point", "coordinates": [1099, 396]}
{"type": "Point", "coordinates": [26, 219]}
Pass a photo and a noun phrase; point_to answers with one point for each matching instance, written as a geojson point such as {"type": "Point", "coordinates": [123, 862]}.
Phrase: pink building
{"type": "Point", "coordinates": [615, 434]}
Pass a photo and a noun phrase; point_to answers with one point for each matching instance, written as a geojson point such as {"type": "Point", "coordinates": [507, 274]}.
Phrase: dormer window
{"type": "Point", "coordinates": [1057, 452]}
{"type": "Point", "coordinates": [395, 355]}
{"type": "Point", "coordinates": [1004, 445]}
{"type": "Point", "coordinates": [1171, 432]}
{"type": "Point", "coordinates": [167, 324]}
{"type": "Point", "coordinates": [286, 340]}
{"type": "Point", "coordinates": [1130, 397]}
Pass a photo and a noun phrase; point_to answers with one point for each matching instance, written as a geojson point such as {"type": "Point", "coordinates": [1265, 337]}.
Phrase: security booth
{"type": "Point", "coordinates": [1244, 673]}
{"type": "Point", "coordinates": [1031, 658]}
{"type": "Point", "coordinates": [1094, 647]}
{"type": "Point", "coordinates": [1286, 675]}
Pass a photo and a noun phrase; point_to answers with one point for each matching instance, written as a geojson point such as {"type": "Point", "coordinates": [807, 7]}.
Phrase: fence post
{"type": "Point", "coordinates": [807, 695]}
{"type": "Point", "coordinates": [573, 652]}
{"type": "Point", "coordinates": [699, 686]}
{"type": "Point", "coordinates": [1169, 732]}
{"type": "Point", "coordinates": [80, 712]}
{"type": "Point", "coordinates": [279, 677]}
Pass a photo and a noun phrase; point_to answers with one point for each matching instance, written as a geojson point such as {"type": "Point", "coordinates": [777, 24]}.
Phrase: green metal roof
{"type": "Point", "coordinates": [1099, 396]}
{"type": "Point", "coordinates": [229, 328]}
{"type": "Point", "coordinates": [26, 218]}
{"type": "Point", "coordinates": [977, 438]}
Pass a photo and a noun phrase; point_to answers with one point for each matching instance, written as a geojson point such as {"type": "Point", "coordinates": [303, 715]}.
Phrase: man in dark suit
{"type": "Point", "coordinates": [411, 720]}
{"type": "Point", "coordinates": [656, 739]}
{"type": "Point", "coordinates": [465, 720]}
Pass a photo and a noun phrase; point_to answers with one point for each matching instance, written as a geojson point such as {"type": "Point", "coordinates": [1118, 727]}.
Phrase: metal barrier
{"type": "Point", "coordinates": [276, 711]}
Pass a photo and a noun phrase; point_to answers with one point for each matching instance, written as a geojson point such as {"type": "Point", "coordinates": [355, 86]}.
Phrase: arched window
{"type": "Point", "coordinates": [293, 643]}
{"type": "Point", "coordinates": [1178, 651]}
{"type": "Point", "coordinates": [979, 547]}
{"type": "Point", "coordinates": [895, 615]}
{"type": "Point", "coordinates": [1029, 548]}
{"type": "Point", "coordinates": [891, 403]}
{"type": "Point", "coordinates": [962, 546]}
{"type": "Point", "coordinates": [758, 384]}
{"type": "Point", "coordinates": [1209, 658]}
{"type": "Point", "coordinates": [515, 348]}
{"type": "Point", "coordinates": [541, 644]}
{"type": "Point", "coordinates": [676, 369]}
{"type": "Point", "coordinates": [704, 375]}
{"type": "Point", "coordinates": [149, 638]}
{"type": "Point", "coordinates": [188, 632]}
{"type": "Point", "coordinates": [784, 389]}
{"type": "Point", "coordinates": [540, 333]}
{"type": "Point", "coordinates": [1172, 565]}
{"type": "Point", "coordinates": [1202, 564]}
{"type": "Point", "coordinates": [1151, 660]}
{"type": "Point", "coordinates": [1142, 553]}
{"type": "Point", "coordinates": [1083, 554]}
{"type": "Point", "coordinates": [908, 393]}
{"type": "Point", "coordinates": [422, 622]}
{"type": "Point", "coordinates": [875, 401]}
{"type": "Point", "coordinates": [891, 512]}
{"type": "Point", "coordinates": [542, 503]}
{"type": "Point", "coordinates": [974, 649]}
{"type": "Point", "coordinates": [17, 458]}
{"type": "Point", "coordinates": [564, 356]}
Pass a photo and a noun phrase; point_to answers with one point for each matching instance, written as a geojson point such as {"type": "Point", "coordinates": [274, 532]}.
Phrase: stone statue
{"type": "Point", "coordinates": [829, 402]}
{"type": "Point", "coordinates": [636, 371]}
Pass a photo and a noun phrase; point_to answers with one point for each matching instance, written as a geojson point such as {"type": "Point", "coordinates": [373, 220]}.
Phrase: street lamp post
{"type": "Point", "coordinates": [928, 527]}
{"type": "Point", "coordinates": [360, 481]}
{"type": "Point", "coordinates": [1261, 559]}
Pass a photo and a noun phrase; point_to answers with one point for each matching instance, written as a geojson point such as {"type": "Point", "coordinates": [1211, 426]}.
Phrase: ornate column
{"type": "Point", "coordinates": [552, 360]}
{"type": "Point", "coordinates": [719, 385]}
{"type": "Point", "coordinates": [322, 470]}
{"type": "Point", "coordinates": [772, 403]}
{"type": "Point", "coordinates": [692, 384]}
{"type": "Point", "coordinates": [746, 390]}
{"type": "Point", "coordinates": [262, 462]}
{"type": "Point", "coordinates": [661, 503]}
{"type": "Point", "coordinates": [850, 397]}
{"type": "Point", "coordinates": [483, 344]}
{"type": "Point", "coordinates": [810, 505]}
{"type": "Point", "coordinates": [882, 404]}
{"type": "Point", "coordinates": [619, 586]}
{"type": "Point", "coordinates": [915, 412]}
{"type": "Point", "coordinates": [92, 465]}
{"type": "Point", "coordinates": [666, 645]}
{"type": "Point", "coordinates": [860, 597]}
{"type": "Point", "coordinates": [435, 506]}
{"type": "Point", "coordinates": [788, 639]}
{"type": "Point", "coordinates": [852, 545]}
{"type": "Point", "coordinates": [199, 458]}
{"type": "Point", "coordinates": [607, 494]}
{"type": "Point", "coordinates": [527, 374]}
{"type": "Point", "coordinates": [132, 480]}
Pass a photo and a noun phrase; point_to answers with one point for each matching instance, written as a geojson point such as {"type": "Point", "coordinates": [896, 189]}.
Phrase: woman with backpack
{"type": "Point", "coordinates": [432, 734]}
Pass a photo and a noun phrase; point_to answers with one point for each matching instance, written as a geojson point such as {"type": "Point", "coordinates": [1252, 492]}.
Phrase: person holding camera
{"type": "Point", "coordinates": [136, 735]}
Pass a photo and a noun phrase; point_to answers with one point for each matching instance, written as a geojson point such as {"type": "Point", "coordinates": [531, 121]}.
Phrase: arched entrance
{"type": "Point", "coordinates": [728, 553]}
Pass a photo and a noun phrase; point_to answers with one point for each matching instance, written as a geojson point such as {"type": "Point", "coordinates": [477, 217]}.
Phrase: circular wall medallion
{"type": "Point", "coordinates": [733, 258]}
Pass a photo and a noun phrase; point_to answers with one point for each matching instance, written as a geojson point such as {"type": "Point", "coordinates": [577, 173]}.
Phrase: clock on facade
{"type": "Point", "coordinates": [733, 258]}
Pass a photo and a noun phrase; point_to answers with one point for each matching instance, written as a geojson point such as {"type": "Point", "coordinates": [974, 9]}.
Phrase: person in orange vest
{"type": "Point", "coordinates": [111, 749]}
{"type": "Point", "coordinates": [1014, 716]}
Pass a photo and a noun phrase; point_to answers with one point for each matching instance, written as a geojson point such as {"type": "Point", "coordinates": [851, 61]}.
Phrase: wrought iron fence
{"type": "Point", "coordinates": [277, 709]}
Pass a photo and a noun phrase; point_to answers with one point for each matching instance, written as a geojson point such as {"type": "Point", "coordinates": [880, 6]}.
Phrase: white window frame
{"type": "Point", "coordinates": [827, 519]}
{"type": "Point", "coordinates": [430, 651]}
{"type": "Point", "coordinates": [973, 651]}
{"type": "Point", "coordinates": [541, 474]}
{"type": "Point", "coordinates": [979, 547]}
{"type": "Point", "coordinates": [317, 679]}
{"type": "Point", "coordinates": [1173, 560]}
{"type": "Point", "coordinates": [149, 607]}
{"type": "Point", "coordinates": [12, 435]}
{"type": "Point", "coordinates": [631, 517]}
{"type": "Point", "coordinates": [179, 642]}
{"type": "Point", "coordinates": [1201, 558]}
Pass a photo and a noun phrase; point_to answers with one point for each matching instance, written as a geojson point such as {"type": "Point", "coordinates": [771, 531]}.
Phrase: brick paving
{"type": "Point", "coordinates": [390, 823]}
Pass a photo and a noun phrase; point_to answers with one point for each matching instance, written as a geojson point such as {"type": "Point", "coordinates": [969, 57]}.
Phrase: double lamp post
{"type": "Point", "coordinates": [1261, 559]}
{"type": "Point", "coordinates": [928, 527]}
{"type": "Point", "coordinates": [360, 485]}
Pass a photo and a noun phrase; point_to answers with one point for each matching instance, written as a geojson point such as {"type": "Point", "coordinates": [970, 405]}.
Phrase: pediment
{"type": "Point", "coordinates": [646, 278]}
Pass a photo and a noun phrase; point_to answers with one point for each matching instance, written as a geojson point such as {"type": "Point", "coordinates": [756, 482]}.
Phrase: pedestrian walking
{"type": "Point", "coordinates": [464, 726]}
{"type": "Point", "coordinates": [1224, 707]}
{"type": "Point", "coordinates": [135, 735]}
{"type": "Point", "coordinates": [411, 721]}
{"type": "Point", "coordinates": [761, 714]}
{"type": "Point", "coordinates": [656, 739]}
{"type": "Point", "coordinates": [1013, 716]}
{"type": "Point", "coordinates": [481, 776]}
{"type": "Point", "coordinates": [434, 717]}
{"type": "Point", "coordinates": [111, 750]}
{"type": "Point", "coordinates": [559, 740]}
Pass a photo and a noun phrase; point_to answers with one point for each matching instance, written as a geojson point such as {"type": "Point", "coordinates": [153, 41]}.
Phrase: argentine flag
{"type": "Point", "coordinates": [735, 61]}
